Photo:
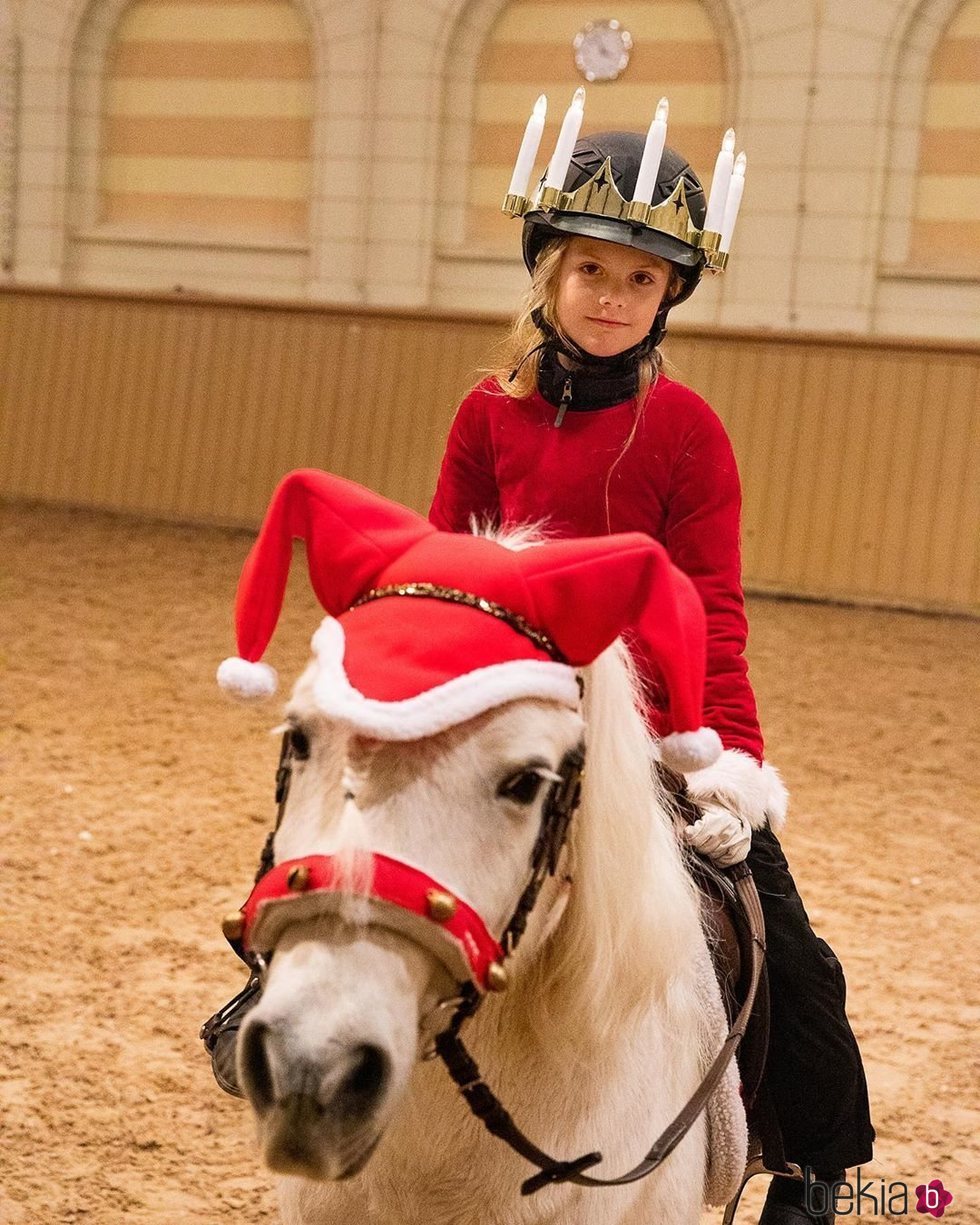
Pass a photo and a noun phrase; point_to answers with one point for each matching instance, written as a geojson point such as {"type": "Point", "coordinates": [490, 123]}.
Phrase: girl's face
{"type": "Point", "coordinates": [608, 294]}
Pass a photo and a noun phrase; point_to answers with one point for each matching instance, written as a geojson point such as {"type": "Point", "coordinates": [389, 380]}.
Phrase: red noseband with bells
{"type": "Point", "coordinates": [398, 897]}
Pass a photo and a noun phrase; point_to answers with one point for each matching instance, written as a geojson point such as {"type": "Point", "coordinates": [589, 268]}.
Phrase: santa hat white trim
{"type": "Point", "coordinates": [686, 751]}
{"type": "Point", "coordinates": [738, 782]}
{"type": "Point", "coordinates": [434, 710]}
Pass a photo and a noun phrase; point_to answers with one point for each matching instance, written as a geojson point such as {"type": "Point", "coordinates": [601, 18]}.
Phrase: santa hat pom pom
{"type": "Point", "coordinates": [687, 751]}
{"type": "Point", "coordinates": [245, 679]}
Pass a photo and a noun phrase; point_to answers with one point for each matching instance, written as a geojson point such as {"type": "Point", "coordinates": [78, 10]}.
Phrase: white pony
{"type": "Point", "coordinates": [602, 1035]}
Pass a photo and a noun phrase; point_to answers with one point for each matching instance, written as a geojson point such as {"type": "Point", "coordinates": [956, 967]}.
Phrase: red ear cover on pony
{"type": "Point", "coordinates": [420, 675]}
{"type": "Point", "coordinates": [600, 587]}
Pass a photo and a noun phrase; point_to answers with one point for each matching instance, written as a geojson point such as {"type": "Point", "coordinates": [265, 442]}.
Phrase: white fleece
{"type": "Point", "coordinates": [736, 781]}
{"type": "Point", "coordinates": [434, 710]}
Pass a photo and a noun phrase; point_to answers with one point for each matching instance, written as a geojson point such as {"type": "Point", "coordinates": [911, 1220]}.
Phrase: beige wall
{"type": "Point", "coordinates": [859, 459]}
{"type": "Point", "coordinates": [9, 86]}
{"type": "Point", "coordinates": [677, 52]}
{"type": "Point", "coordinates": [830, 99]}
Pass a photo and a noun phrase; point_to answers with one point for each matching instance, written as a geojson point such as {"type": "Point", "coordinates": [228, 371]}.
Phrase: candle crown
{"type": "Point", "coordinates": [585, 187]}
{"type": "Point", "coordinates": [600, 197]}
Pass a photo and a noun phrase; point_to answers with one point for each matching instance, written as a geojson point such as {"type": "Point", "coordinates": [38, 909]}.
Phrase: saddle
{"type": "Point", "coordinates": [730, 941]}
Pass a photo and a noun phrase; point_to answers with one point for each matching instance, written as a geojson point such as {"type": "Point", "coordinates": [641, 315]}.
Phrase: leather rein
{"type": "Point", "coordinates": [559, 808]}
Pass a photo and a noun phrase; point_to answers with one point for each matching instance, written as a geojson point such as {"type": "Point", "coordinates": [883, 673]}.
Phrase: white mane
{"type": "Point", "coordinates": [626, 930]}
{"type": "Point", "coordinates": [632, 906]}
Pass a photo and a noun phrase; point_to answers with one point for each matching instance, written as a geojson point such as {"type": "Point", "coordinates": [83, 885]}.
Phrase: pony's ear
{"type": "Point", "coordinates": [585, 593]}
{"type": "Point", "coordinates": [351, 535]}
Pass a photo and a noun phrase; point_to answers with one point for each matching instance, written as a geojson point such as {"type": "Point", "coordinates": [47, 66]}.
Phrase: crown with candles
{"type": "Point", "coordinates": [600, 196]}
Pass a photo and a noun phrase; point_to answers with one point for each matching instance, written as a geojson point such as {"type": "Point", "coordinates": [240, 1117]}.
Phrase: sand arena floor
{"type": "Point", "coordinates": [135, 800]}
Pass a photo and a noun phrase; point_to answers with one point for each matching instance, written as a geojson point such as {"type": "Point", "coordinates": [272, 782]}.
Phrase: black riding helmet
{"type": "Point", "coordinates": [625, 151]}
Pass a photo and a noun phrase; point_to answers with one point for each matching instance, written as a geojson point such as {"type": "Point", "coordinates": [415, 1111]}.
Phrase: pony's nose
{"type": "Point", "coordinates": [348, 1081]}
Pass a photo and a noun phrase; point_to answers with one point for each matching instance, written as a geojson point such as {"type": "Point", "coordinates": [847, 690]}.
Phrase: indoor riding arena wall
{"type": "Point", "coordinates": [135, 798]}
{"type": "Point", "coordinates": [858, 457]}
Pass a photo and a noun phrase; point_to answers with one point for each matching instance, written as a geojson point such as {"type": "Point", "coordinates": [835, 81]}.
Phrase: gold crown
{"type": "Point", "coordinates": [600, 196]}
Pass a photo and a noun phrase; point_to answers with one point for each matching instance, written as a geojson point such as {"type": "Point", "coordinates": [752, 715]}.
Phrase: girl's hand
{"type": "Point", "coordinates": [721, 835]}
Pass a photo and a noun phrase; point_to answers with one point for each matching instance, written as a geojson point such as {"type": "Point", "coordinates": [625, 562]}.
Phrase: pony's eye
{"type": "Point", "coordinates": [299, 743]}
{"type": "Point", "coordinates": [521, 788]}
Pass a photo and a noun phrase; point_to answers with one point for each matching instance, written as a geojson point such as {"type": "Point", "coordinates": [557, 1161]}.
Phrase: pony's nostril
{"type": "Point", "coordinates": [253, 1062]}
{"type": "Point", "coordinates": [351, 1083]}
{"type": "Point", "coordinates": [366, 1077]}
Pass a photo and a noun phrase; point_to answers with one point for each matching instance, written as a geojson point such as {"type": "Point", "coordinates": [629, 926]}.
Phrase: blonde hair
{"type": "Point", "coordinates": [519, 354]}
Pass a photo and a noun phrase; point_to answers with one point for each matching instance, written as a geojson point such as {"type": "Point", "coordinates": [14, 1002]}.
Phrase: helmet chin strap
{"type": "Point", "coordinates": [618, 363]}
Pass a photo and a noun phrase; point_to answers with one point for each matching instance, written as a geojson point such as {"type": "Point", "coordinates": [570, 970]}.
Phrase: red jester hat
{"type": "Point", "coordinates": [427, 629]}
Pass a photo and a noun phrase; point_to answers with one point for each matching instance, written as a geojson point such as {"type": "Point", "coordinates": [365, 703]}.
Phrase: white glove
{"type": "Point", "coordinates": [721, 835]}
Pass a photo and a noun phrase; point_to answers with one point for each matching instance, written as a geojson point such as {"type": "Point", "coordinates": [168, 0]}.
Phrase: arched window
{"type": "Point", "coordinates": [676, 52]}
{"type": "Point", "coordinates": [206, 120]}
{"type": "Point", "coordinates": [946, 213]}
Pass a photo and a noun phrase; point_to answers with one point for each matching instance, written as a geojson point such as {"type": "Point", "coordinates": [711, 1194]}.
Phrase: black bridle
{"type": "Point", "coordinates": [559, 808]}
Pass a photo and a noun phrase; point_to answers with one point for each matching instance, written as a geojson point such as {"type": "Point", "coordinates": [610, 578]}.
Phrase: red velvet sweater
{"type": "Point", "coordinates": [506, 461]}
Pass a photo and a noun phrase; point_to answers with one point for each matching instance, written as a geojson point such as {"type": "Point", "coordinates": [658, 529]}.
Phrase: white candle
{"type": "Point", "coordinates": [529, 149]}
{"type": "Point", "coordinates": [734, 199]}
{"type": "Point", "coordinates": [653, 151]}
{"type": "Point", "coordinates": [719, 184]}
{"type": "Point", "coordinates": [558, 166]}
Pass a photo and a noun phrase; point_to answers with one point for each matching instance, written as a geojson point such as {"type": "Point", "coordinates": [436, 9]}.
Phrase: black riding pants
{"type": "Point", "coordinates": [814, 1075]}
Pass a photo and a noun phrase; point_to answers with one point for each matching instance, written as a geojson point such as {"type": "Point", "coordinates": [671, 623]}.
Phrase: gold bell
{"type": "Point", "coordinates": [496, 977]}
{"type": "Point", "coordinates": [233, 925]}
{"type": "Point", "coordinates": [441, 905]}
{"type": "Point", "coordinates": [298, 877]}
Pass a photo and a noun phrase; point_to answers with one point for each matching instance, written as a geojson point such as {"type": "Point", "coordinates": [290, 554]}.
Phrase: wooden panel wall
{"type": "Point", "coordinates": [193, 411]}
{"type": "Point", "coordinates": [860, 460]}
{"type": "Point", "coordinates": [860, 464]}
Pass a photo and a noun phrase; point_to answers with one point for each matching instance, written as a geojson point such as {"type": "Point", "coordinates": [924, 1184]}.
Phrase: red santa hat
{"type": "Point", "coordinates": [427, 629]}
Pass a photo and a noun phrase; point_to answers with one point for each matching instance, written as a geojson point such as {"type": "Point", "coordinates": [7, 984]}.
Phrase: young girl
{"type": "Point", "coordinates": [580, 430]}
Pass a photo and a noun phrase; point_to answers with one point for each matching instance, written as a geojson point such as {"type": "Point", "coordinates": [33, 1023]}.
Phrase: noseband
{"type": "Point", "coordinates": [399, 897]}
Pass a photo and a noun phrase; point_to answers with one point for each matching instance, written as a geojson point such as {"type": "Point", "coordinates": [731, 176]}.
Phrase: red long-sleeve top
{"type": "Point", "coordinates": [507, 462]}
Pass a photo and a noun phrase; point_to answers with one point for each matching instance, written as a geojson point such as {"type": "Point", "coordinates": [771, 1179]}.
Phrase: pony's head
{"type": "Point", "coordinates": [348, 1004]}
{"type": "Point", "coordinates": [435, 742]}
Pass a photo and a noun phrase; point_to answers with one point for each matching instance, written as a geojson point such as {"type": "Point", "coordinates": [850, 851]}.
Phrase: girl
{"type": "Point", "coordinates": [580, 430]}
